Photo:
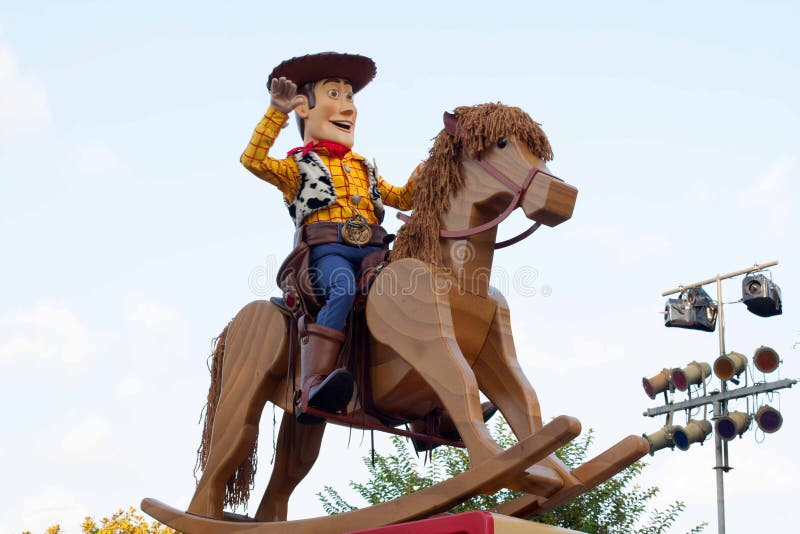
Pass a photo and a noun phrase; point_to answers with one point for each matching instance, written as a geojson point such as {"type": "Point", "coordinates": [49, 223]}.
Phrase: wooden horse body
{"type": "Point", "coordinates": [439, 335]}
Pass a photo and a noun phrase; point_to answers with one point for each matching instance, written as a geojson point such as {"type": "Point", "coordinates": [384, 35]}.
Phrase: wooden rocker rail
{"type": "Point", "coordinates": [594, 472]}
{"type": "Point", "coordinates": [502, 469]}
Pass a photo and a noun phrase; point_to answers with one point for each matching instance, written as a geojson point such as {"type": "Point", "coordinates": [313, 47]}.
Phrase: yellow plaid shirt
{"type": "Point", "coordinates": [349, 175]}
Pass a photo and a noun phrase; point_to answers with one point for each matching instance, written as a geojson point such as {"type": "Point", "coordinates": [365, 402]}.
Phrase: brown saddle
{"type": "Point", "coordinates": [300, 295]}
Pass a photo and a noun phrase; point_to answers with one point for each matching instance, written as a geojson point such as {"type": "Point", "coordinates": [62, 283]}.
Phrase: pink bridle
{"type": "Point", "coordinates": [451, 127]}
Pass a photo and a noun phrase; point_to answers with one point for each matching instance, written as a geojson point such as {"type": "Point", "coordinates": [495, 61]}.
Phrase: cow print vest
{"type": "Point", "coordinates": [316, 189]}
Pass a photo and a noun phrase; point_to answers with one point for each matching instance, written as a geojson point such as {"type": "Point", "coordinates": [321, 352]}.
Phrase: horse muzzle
{"type": "Point", "coordinates": [549, 200]}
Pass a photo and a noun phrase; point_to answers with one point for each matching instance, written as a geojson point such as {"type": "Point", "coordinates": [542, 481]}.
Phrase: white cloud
{"type": "Point", "coordinates": [626, 247]}
{"type": "Point", "coordinates": [75, 441]}
{"type": "Point", "coordinates": [156, 334]}
{"type": "Point", "coordinates": [683, 475]}
{"type": "Point", "coordinates": [536, 358]}
{"type": "Point", "coordinates": [88, 440]}
{"type": "Point", "coordinates": [149, 313]}
{"type": "Point", "coordinates": [769, 195]}
{"type": "Point", "coordinates": [585, 353]}
{"type": "Point", "coordinates": [53, 505]}
{"type": "Point", "coordinates": [129, 387]}
{"type": "Point", "coordinates": [45, 332]}
{"type": "Point", "coordinates": [760, 466]}
{"type": "Point", "coordinates": [95, 158]}
{"type": "Point", "coordinates": [23, 102]}
{"type": "Point", "coordinates": [596, 351]}
{"type": "Point", "coordinates": [771, 182]}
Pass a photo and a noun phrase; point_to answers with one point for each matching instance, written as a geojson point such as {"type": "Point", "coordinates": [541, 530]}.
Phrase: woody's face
{"type": "Point", "coordinates": [333, 117]}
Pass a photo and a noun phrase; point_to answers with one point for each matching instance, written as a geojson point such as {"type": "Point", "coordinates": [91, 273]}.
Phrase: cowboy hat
{"type": "Point", "coordinates": [358, 70]}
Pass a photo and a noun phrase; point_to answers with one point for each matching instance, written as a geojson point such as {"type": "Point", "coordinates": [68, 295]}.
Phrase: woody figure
{"type": "Point", "coordinates": [334, 197]}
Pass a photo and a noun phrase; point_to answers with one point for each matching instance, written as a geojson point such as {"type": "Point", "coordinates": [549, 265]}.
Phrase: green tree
{"type": "Point", "coordinates": [615, 506]}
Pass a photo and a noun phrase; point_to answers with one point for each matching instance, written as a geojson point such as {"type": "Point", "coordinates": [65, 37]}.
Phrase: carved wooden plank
{"type": "Point", "coordinates": [500, 469]}
{"type": "Point", "coordinates": [595, 471]}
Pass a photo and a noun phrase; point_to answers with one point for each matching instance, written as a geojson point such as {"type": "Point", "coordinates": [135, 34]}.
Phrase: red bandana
{"type": "Point", "coordinates": [336, 150]}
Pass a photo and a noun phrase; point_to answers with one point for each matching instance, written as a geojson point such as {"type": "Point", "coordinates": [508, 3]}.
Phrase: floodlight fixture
{"type": "Point", "coordinates": [693, 309]}
{"type": "Point", "coordinates": [657, 384]}
{"type": "Point", "coordinates": [695, 431]}
{"type": "Point", "coordinates": [732, 425]}
{"type": "Point", "coordinates": [661, 438]}
{"type": "Point", "coordinates": [769, 419]}
{"type": "Point", "coordinates": [729, 366]}
{"type": "Point", "coordinates": [766, 359]}
{"type": "Point", "coordinates": [694, 373]}
{"type": "Point", "coordinates": [761, 295]}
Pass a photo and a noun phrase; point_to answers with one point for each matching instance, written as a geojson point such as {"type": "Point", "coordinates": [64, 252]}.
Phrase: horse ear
{"type": "Point", "coordinates": [450, 123]}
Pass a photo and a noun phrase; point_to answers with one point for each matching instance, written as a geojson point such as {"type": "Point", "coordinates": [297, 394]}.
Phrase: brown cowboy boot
{"type": "Point", "coordinates": [321, 386]}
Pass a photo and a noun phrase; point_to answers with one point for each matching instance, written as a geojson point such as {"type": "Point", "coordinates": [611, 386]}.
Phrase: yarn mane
{"type": "Point", "coordinates": [479, 128]}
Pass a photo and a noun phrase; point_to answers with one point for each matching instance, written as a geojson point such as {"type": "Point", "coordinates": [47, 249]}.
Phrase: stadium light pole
{"type": "Point", "coordinates": [719, 400]}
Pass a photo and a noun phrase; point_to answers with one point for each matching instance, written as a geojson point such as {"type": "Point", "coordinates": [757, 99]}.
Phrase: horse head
{"type": "Point", "coordinates": [487, 161]}
{"type": "Point", "coordinates": [512, 151]}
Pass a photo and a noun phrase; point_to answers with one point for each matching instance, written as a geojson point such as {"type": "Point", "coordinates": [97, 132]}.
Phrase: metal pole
{"type": "Point", "coordinates": [721, 321]}
{"type": "Point", "coordinates": [756, 267]}
{"type": "Point", "coordinates": [716, 396]}
{"type": "Point", "coordinates": [719, 411]}
{"type": "Point", "coordinates": [720, 469]}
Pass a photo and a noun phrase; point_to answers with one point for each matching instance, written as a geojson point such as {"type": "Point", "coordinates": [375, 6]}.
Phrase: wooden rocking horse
{"type": "Point", "coordinates": [438, 335]}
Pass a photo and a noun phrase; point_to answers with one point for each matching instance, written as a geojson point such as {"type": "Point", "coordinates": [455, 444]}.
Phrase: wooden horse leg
{"type": "Point", "coordinates": [297, 449]}
{"type": "Point", "coordinates": [254, 362]}
{"type": "Point", "coordinates": [407, 312]}
{"type": "Point", "coordinates": [500, 377]}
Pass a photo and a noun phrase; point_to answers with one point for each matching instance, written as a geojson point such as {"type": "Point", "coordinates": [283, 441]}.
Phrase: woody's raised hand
{"type": "Point", "coordinates": [283, 95]}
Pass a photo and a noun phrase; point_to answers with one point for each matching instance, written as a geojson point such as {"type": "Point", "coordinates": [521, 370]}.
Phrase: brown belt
{"type": "Point", "coordinates": [329, 232]}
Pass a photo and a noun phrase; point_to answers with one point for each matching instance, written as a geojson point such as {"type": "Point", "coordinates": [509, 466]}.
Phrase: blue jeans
{"type": "Point", "coordinates": [334, 267]}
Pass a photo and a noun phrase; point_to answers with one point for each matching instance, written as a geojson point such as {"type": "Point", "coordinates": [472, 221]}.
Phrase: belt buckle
{"type": "Point", "coordinates": [356, 231]}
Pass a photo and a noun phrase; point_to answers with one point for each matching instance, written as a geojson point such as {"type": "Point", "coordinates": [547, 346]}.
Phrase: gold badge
{"type": "Point", "coordinates": [356, 231]}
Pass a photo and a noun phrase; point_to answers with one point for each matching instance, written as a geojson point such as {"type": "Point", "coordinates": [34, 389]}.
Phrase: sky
{"type": "Point", "coordinates": [131, 234]}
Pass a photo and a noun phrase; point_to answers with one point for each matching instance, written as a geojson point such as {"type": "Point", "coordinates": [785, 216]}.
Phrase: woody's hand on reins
{"type": "Point", "coordinates": [283, 95]}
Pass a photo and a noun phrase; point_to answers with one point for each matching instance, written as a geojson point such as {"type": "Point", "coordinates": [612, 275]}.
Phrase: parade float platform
{"type": "Point", "coordinates": [468, 523]}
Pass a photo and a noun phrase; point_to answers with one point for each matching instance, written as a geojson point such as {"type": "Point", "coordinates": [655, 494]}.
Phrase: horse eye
{"type": "Point", "coordinates": [501, 143]}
